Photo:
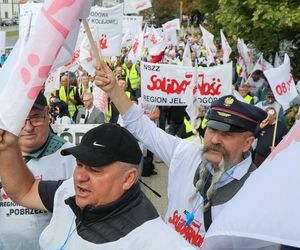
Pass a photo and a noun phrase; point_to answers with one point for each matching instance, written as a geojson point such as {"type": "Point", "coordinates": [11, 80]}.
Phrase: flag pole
{"type": "Point", "coordinates": [91, 40]}
{"type": "Point", "coordinates": [275, 131]}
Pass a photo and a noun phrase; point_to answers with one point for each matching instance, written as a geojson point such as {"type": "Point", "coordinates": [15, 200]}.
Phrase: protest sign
{"type": "Point", "coordinates": [165, 85]}
{"type": "Point", "coordinates": [107, 22]}
{"type": "Point", "coordinates": [282, 83]}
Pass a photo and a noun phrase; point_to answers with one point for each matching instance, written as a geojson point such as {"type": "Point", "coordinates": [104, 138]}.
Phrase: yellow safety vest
{"type": "Point", "coordinates": [133, 76]}
{"type": "Point", "coordinates": [63, 96]}
{"type": "Point", "coordinates": [188, 129]}
{"type": "Point", "coordinates": [248, 98]}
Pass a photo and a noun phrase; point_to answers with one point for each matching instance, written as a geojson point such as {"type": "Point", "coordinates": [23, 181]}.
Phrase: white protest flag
{"type": "Point", "coordinates": [129, 7]}
{"type": "Point", "coordinates": [46, 44]}
{"type": "Point", "coordinates": [157, 46]}
{"type": "Point", "coordinates": [208, 40]}
{"type": "Point", "coordinates": [186, 57]}
{"type": "Point", "coordinates": [164, 84]}
{"type": "Point", "coordinates": [262, 64]}
{"type": "Point", "coordinates": [53, 81]}
{"type": "Point", "coordinates": [100, 99]}
{"type": "Point", "coordinates": [27, 18]}
{"type": "Point", "coordinates": [131, 27]}
{"type": "Point", "coordinates": [190, 98]}
{"type": "Point", "coordinates": [282, 83]}
{"type": "Point", "coordinates": [142, 5]}
{"type": "Point", "coordinates": [137, 47]}
{"type": "Point", "coordinates": [108, 24]}
{"type": "Point", "coordinates": [225, 48]}
{"type": "Point", "coordinates": [265, 211]}
{"type": "Point", "coordinates": [171, 37]}
{"type": "Point", "coordinates": [245, 57]}
{"type": "Point", "coordinates": [277, 61]}
{"type": "Point", "coordinates": [147, 33]}
{"type": "Point", "coordinates": [2, 42]}
{"type": "Point", "coordinates": [171, 25]}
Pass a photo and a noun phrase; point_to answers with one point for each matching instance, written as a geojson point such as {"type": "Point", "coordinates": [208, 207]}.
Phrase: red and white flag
{"type": "Point", "coordinates": [245, 57]}
{"type": "Point", "coordinates": [140, 5]}
{"type": "Point", "coordinates": [265, 211]}
{"type": "Point", "coordinates": [262, 64]}
{"type": "Point", "coordinates": [172, 25]}
{"type": "Point", "coordinates": [28, 67]}
{"type": "Point", "coordinates": [226, 49]}
{"type": "Point", "coordinates": [157, 46]}
{"type": "Point", "coordinates": [282, 83]}
{"type": "Point", "coordinates": [137, 47]}
{"type": "Point", "coordinates": [208, 40]}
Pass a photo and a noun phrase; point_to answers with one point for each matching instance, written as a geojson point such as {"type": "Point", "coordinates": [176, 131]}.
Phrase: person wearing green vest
{"type": "Point", "coordinates": [67, 94]}
{"type": "Point", "coordinates": [244, 92]}
{"type": "Point", "coordinates": [133, 78]}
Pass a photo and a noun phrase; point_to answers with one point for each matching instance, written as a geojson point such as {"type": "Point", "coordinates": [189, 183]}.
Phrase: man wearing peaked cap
{"type": "Point", "coordinates": [202, 178]}
{"type": "Point", "coordinates": [102, 206]}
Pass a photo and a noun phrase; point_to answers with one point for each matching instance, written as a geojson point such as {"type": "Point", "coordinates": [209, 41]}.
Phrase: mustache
{"type": "Point", "coordinates": [214, 147]}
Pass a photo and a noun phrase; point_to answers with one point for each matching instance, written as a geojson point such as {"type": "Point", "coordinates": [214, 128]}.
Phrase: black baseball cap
{"type": "Point", "coordinates": [40, 102]}
{"type": "Point", "coordinates": [231, 115]}
{"type": "Point", "coordinates": [106, 144]}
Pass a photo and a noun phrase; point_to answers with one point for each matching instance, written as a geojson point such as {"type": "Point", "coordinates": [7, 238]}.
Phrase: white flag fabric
{"type": "Point", "coordinates": [282, 83]}
{"type": "Point", "coordinates": [53, 81]}
{"type": "Point", "coordinates": [171, 25]}
{"type": "Point", "coordinates": [165, 85]}
{"type": "Point", "coordinates": [170, 37]}
{"type": "Point", "coordinates": [245, 57]}
{"type": "Point", "coordinates": [142, 5]}
{"type": "Point", "coordinates": [108, 25]}
{"type": "Point", "coordinates": [186, 57]}
{"type": "Point", "coordinates": [262, 64]}
{"type": "Point", "coordinates": [131, 27]}
{"type": "Point", "coordinates": [129, 7]}
{"type": "Point", "coordinates": [277, 61]}
{"type": "Point", "coordinates": [265, 211]}
{"type": "Point", "coordinates": [156, 45]}
{"type": "Point", "coordinates": [208, 39]}
{"type": "Point", "coordinates": [137, 47]}
{"type": "Point", "coordinates": [25, 77]}
{"type": "Point", "coordinates": [2, 42]}
{"type": "Point", "coordinates": [225, 48]}
{"type": "Point", "coordinates": [28, 15]}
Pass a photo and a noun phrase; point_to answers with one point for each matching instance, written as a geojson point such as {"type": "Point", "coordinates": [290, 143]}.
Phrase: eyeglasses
{"type": "Point", "coordinates": [36, 121]}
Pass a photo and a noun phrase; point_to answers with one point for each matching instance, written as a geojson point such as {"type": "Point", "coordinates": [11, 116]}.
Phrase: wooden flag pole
{"type": "Point", "coordinates": [91, 40]}
{"type": "Point", "coordinates": [275, 131]}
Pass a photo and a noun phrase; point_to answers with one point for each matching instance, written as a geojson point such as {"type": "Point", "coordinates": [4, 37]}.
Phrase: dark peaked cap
{"type": "Point", "coordinates": [232, 115]}
{"type": "Point", "coordinates": [106, 144]}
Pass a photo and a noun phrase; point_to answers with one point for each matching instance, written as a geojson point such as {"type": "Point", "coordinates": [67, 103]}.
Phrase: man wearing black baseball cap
{"type": "Point", "coordinates": [202, 178]}
{"type": "Point", "coordinates": [102, 206]}
{"type": "Point", "coordinates": [40, 149]}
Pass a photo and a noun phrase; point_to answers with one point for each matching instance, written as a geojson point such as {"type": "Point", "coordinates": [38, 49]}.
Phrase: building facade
{"type": "Point", "coordinates": [9, 9]}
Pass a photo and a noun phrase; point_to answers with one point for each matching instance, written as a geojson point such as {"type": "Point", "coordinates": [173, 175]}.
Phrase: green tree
{"type": "Point", "coordinates": [266, 24]}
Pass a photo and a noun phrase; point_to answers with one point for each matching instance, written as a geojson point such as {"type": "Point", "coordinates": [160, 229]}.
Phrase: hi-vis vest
{"type": "Point", "coordinates": [61, 233]}
{"type": "Point", "coordinates": [248, 98]}
{"type": "Point", "coordinates": [62, 95]}
{"type": "Point", "coordinates": [109, 109]}
{"type": "Point", "coordinates": [188, 129]}
{"type": "Point", "coordinates": [133, 76]}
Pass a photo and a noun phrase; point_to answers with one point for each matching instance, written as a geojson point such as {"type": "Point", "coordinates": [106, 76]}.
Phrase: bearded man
{"type": "Point", "coordinates": [201, 178]}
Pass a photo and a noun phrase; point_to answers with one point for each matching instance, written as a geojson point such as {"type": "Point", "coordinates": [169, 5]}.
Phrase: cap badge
{"type": "Point", "coordinates": [223, 114]}
{"type": "Point", "coordinates": [228, 101]}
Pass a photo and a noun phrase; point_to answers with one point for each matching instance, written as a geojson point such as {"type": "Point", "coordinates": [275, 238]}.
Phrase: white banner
{"type": "Point", "coordinates": [282, 83]}
{"type": "Point", "coordinates": [171, 37]}
{"type": "Point", "coordinates": [132, 24]}
{"type": "Point", "coordinates": [108, 24]}
{"type": "Point", "coordinates": [72, 132]}
{"type": "Point", "coordinates": [165, 85]}
{"type": "Point", "coordinates": [2, 42]}
{"type": "Point", "coordinates": [266, 209]}
{"type": "Point", "coordinates": [171, 25]}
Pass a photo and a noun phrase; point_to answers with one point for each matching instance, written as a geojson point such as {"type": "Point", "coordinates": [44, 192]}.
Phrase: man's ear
{"type": "Point", "coordinates": [248, 143]}
{"type": "Point", "coordinates": [130, 178]}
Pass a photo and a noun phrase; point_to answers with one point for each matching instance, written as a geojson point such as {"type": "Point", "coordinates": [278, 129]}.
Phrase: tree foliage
{"type": "Point", "coordinates": [266, 24]}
